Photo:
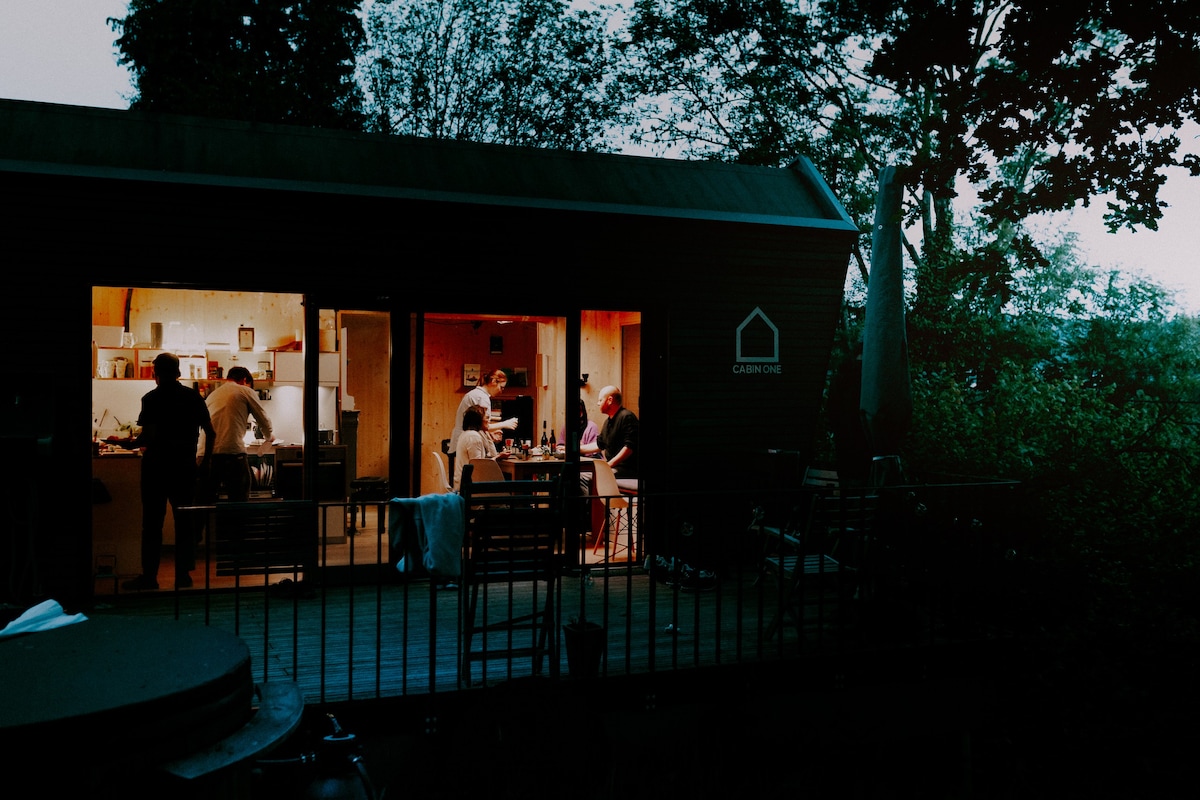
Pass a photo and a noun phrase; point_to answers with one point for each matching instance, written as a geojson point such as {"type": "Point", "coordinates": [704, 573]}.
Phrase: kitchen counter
{"type": "Point", "coordinates": [117, 524]}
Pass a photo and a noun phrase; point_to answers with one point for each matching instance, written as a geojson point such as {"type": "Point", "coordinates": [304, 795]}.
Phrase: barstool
{"type": "Point", "coordinates": [365, 490]}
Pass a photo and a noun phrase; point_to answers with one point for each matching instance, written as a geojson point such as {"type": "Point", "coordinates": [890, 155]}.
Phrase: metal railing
{"type": "Point", "coordinates": [704, 588]}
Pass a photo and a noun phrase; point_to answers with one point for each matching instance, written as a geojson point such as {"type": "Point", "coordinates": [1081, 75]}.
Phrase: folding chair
{"type": "Point", "coordinates": [805, 565]}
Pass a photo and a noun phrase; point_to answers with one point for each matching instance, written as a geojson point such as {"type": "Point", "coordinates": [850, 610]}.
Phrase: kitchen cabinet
{"type": "Point", "coordinates": [117, 522]}
{"type": "Point", "coordinates": [260, 363]}
{"type": "Point", "coordinates": [289, 367]}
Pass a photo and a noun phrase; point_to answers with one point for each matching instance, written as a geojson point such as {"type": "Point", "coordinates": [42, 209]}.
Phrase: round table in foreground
{"type": "Point", "coordinates": [112, 695]}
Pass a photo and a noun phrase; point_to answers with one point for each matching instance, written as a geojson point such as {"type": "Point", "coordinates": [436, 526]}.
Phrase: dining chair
{"type": "Point", "coordinates": [441, 471]}
{"type": "Point", "coordinates": [618, 504]}
{"type": "Point", "coordinates": [487, 470]}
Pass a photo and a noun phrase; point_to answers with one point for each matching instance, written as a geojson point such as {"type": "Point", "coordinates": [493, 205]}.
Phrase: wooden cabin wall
{"type": "Point", "coordinates": [277, 318]}
{"type": "Point", "coordinates": [108, 305]}
{"type": "Point", "coordinates": [450, 343]}
{"type": "Point", "coordinates": [599, 356]}
{"type": "Point", "coordinates": [367, 380]}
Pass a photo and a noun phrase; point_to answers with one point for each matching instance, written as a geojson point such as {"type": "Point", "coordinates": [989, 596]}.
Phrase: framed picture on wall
{"type": "Point", "coordinates": [471, 375]}
{"type": "Point", "coordinates": [245, 338]}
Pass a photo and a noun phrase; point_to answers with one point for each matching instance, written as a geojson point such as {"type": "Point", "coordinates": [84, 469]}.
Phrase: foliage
{"type": "Point", "coordinates": [280, 61]}
{"type": "Point", "coordinates": [1097, 415]}
{"type": "Point", "coordinates": [518, 72]}
{"type": "Point", "coordinates": [1038, 108]}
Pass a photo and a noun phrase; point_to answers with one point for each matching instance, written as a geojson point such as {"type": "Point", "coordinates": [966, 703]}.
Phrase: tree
{"type": "Point", "coordinates": [1041, 107]}
{"type": "Point", "coordinates": [519, 72]}
{"type": "Point", "coordinates": [256, 60]}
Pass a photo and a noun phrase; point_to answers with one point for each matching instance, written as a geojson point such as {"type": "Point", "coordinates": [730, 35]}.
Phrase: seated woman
{"type": "Point", "coordinates": [589, 428]}
{"type": "Point", "coordinates": [474, 442]}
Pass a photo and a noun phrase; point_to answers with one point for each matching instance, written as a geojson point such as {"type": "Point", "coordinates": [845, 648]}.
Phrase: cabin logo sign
{"type": "Point", "coordinates": [756, 346]}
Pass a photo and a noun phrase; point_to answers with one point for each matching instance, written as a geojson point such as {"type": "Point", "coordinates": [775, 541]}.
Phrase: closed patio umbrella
{"type": "Point", "coordinates": [886, 399]}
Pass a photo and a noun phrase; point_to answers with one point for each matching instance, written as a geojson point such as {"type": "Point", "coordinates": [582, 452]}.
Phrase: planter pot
{"type": "Point", "coordinates": [585, 646]}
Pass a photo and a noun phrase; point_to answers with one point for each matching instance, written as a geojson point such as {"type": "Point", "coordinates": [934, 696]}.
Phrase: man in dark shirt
{"type": "Point", "coordinates": [618, 438]}
{"type": "Point", "coordinates": [171, 420]}
{"type": "Point", "coordinates": [617, 443]}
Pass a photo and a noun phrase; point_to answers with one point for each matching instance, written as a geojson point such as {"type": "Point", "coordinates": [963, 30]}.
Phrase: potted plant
{"type": "Point", "coordinates": [585, 643]}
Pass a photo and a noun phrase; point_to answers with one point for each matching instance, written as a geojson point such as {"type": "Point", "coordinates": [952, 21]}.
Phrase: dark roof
{"type": "Point", "coordinates": [81, 141]}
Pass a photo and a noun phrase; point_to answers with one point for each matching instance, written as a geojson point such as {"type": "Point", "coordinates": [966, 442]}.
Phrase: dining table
{"type": "Point", "coordinates": [532, 468]}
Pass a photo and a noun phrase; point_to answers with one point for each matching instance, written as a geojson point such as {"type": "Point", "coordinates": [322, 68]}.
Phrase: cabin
{"type": "Point", "coordinates": [708, 291]}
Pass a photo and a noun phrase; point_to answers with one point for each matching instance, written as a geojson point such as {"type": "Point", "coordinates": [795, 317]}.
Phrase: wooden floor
{"type": "Point", "coordinates": [365, 544]}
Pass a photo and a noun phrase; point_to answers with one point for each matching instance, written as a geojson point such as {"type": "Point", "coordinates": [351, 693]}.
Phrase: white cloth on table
{"type": "Point", "coordinates": [45, 616]}
{"type": "Point", "coordinates": [428, 531]}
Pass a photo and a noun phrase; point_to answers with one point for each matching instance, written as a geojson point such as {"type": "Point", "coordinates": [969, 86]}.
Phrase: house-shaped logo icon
{"type": "Point", "coordinates": [757, 339]}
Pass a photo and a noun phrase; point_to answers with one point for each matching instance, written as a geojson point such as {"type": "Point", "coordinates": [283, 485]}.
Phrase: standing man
{"type": "Point", "coordinates": [231, 405]}
{"type": "Point", "coordinates": [171, 420]}
{"type": "Point", "coordinates": [491, 383]}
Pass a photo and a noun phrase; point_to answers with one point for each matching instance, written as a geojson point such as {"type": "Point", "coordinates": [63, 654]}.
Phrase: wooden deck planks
{"type": "Point", "coordinates": [401, 638]}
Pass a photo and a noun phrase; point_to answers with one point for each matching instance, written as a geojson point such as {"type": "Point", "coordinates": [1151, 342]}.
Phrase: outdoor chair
{"type": "Point", "coordinates": [511, 565]}
{"type": "Point", "coordinates": [823, 563]}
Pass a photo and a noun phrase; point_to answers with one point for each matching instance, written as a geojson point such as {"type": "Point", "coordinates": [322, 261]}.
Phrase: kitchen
{"type": "Point", "coordinates": [211, 332]}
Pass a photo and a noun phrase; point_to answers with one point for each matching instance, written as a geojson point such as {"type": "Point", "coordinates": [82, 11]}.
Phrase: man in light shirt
{"type": "Point", "coordinates": [231, 405]}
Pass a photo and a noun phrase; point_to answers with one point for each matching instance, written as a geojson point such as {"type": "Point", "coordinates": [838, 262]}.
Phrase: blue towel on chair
{"type": "Point", "coordinates": [428, 530]}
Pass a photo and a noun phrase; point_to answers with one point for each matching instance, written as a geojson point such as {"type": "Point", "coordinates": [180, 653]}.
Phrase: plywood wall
{"type": "Point", "coordinates": [208, 316]}
{"type": "Point", "coordinates": [451, 343]}
{"type": "Point", "coordinates": [368, 353]}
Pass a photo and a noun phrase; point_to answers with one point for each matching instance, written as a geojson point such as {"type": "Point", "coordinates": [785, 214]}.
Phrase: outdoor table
{"type": "Point", "coordinates": [111, 697]}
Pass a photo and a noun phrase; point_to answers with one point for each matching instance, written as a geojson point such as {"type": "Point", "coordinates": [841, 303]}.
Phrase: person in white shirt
{"type": "Point", "coordinates": [231, 405]}
{"type": "Point", "coordinates": [474, 442]}
{"type": "Point", "coordinates": [491, 383]}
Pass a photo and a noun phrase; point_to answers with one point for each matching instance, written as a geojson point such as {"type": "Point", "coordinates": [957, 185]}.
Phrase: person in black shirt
{"type": "Point", "coordinates": [618, 438]}
{"type": "Point", "coordinates": [617, 443]}
{"type": "Point", "coordinates": [171, 420]}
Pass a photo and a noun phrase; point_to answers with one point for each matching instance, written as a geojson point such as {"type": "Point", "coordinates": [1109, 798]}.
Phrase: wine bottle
{"type": "Point", "coordinates": [544, 439]}
{"type": "Point", "coordinates": [553, 443]}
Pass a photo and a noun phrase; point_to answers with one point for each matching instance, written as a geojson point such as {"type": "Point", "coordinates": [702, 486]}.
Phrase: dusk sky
{"type": "Point", "coordinates": [61, 51]}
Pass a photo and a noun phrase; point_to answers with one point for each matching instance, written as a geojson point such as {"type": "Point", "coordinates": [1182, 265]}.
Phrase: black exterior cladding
{"type": "Point", "coordinates": [719, 259]}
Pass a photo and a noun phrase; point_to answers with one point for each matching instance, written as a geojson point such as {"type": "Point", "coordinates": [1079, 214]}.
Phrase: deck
{"type": "Point", "coordinates": [400, 638]}
{"type": "Point", "coordinates": [367, 632]}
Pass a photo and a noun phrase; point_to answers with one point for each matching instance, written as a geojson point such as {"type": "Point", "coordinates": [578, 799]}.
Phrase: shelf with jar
{"type": "Point", "coordinates": [137, 363]}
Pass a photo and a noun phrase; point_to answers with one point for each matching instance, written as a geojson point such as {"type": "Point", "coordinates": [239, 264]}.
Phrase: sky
{"type": "Point", "coordinates": [61, 51]}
